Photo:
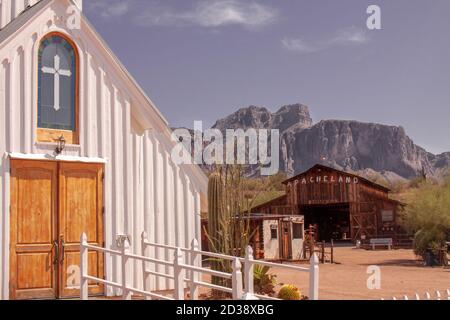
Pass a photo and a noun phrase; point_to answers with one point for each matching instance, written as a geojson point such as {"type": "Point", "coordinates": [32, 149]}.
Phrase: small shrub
{"type": "Point", "coordinates": [289, 292]}
{"type": "Point", "coordinates": [264, 282]}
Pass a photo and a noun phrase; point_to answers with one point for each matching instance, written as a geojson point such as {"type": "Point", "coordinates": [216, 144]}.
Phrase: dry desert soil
{"type": "Point", "coordinates": [402, 273]}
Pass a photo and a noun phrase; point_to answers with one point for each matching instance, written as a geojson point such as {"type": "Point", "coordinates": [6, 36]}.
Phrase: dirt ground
{"type": "Point", "coordinates": [401, 274]}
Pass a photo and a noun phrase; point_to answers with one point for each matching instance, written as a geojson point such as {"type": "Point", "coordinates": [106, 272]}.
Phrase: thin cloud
{"type": "Point", "coordinates": [211, 13]}
{"type": "Point", "coordinates": [344, 37]}
{"type": "Point", "coordinates": [298, 45]}
{"type": "Point", "coordinates": [350, 36]}
{"type": "Point", "coordinates": [110, 8]}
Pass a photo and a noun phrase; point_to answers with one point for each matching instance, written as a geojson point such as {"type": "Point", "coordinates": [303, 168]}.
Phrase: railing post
{"type": "Point", "coordinates": [145, 272]}
{"type": "Point", "coordinates": [237, 279]}
{"type": "Point", "coordinates": [84, 283]}
{"type": "Point", "coordinates": [249, 288]}
{"type": "Point", "coordinates": [438, 295]}
{"type": "Point", "coordinates": [448, 294]}
{"type": "Point", "coordinates": [126, 272]}
{"type": "Point", "coordinates": [178, 275]}
{"type": "Point", "coordinates": [195, 261]}
{"type": "Point", "coordinates": [314, 278]}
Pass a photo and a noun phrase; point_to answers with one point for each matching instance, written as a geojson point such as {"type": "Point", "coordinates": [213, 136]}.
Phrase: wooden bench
{"type": "Point", "coordinates": [384, 242]}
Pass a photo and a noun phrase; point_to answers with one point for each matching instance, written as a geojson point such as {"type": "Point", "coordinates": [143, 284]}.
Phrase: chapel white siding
{"type": "Point", "coordinates": [143, 189]}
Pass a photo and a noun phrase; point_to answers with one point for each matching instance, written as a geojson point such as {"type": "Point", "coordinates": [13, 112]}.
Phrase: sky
{"type": "Point", "coordinates": [205, 59]}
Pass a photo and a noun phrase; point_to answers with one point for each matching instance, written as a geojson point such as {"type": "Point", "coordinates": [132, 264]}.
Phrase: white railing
{"type": "Point", "coordinates": [193, 269]}
{"type": "Point", "coordinates": [126, 255]}
{"type": "Point", "coordinates": [427, 296]}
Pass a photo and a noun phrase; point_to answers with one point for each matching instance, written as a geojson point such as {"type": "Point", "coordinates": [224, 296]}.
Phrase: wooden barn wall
{"type": "Point", "coordinates": [271, 206]}
{"type": "Point", "coordinates": [144, 190]}
{"type": "Point", "coordinates": [316, 192]}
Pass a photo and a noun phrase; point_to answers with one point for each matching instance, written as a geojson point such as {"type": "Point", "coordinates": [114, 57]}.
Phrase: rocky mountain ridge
{"type": "Point", "coordinates": [343, 144]}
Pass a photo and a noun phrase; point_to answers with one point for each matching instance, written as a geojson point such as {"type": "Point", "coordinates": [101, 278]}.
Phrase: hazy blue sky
{"type": "Point", "coordinates": [202, 60]}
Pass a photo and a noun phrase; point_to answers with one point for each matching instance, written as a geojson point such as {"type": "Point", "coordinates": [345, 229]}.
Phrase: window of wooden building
{"type": "Point", "coordinates": [297, 231]}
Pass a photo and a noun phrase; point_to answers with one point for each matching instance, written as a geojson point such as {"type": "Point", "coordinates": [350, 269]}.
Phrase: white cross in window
{"type": "Point", "coordinates": [56, 71]}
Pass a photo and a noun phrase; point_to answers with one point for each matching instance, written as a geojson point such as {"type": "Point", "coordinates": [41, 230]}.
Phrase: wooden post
{"type": "Point", "coordinates": [178, 274]}
{"type": "Point", "coordinates": [427, 296]}
{"type": "Point", "coordinates": [323, 252]}
{"type": "Point", "coordinates": [314, 278]}
{"type": "Point", "coordinates": [332, 251]}
{"type": "Point", "coordinates": [237, 279]}
{"type": "Point", "coordinates": [438, 295]}
{"type": "Point", "coordinates": [195, 261]}
{"type": "Point", "coordinates": [126, 272]}
{"type": "Point", "coordinates": [145, 272]}
{"type": "Point", "coordinates": [84, 268]}
{"type": "Point", "coordinates": [249, 288]}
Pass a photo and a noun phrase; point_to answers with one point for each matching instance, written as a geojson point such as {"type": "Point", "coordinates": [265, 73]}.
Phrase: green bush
{"type": "Point", "coordinates": [428, 216]}
{"type": "Point", "coordinates": [289, 292]}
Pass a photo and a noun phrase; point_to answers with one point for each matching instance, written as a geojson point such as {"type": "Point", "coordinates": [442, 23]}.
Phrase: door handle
{"type": "Point", "coordinates": [63, 251]}
{"type": "Point", "coordinates": [56, 245]}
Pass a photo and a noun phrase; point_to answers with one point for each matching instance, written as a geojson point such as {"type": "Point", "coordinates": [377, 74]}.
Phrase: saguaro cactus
{"type": "Point", "coordinates": [215, 210]}
{"type": "Point", "coordinates": [228, 222]}
{"type": "Point", "coordinates": [215, 221]}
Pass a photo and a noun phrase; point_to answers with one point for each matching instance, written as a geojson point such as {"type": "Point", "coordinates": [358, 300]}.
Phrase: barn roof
{"type": "Point", "coordinates": [320, 166]}
{"type": "Point", "coordinates": [265, 204]}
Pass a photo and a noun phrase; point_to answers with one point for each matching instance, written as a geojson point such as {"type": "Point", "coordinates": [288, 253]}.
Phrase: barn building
{"type": "Point", "coordinates": [343, 206]}
{"type": "Point", "coordinates": [82, 149]}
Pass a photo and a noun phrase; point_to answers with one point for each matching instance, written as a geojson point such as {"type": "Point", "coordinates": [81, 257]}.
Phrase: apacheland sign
{"type": "Point", "coordinates": [329, 179]}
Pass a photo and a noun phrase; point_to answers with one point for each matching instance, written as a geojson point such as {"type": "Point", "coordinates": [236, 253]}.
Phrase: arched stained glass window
{"type": "Point", "coordinates": [57, 69]}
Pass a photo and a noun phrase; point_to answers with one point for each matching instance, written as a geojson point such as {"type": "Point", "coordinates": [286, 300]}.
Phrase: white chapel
{"type": "Point", "coordinates": [82, 149]}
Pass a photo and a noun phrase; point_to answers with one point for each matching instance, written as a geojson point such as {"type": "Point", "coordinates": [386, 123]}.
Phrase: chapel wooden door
{"type": "Point", "coordinates": [51, 205]}
{"type": "Point", "coordinates": [33, 230]}
{"type": "Point", "coordinates": [80, 210]}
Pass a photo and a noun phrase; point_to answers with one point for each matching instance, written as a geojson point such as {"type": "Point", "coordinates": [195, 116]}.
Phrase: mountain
{"type": "Point", "coordinates": [346, 145]}
{"type": "Point", "coordinates": [287, 118]}
{"type": "Point", "coordinates": [441, 164]}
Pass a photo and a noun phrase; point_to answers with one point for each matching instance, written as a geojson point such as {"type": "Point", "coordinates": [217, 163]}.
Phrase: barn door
{"type": "Point", "coordinates": [51, 205]}
{"type": "Point", "coordinates": [356, 225]}
{"type": "Point", "coordinates": [33, 246]}
{"type": "Point", "coordinates": [80, 210]}
{"type": "Point", "coordinates": [364, 225]}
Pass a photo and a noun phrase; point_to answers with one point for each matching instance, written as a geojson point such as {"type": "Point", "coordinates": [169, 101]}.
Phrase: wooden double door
{"type": "Point", "coordinates": [52, 204]}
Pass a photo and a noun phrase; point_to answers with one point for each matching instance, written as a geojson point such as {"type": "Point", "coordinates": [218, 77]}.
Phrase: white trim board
{"type": "Point", "coordinates": [49, 157]}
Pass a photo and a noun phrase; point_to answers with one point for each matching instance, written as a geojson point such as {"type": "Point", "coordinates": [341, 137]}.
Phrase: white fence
{"type": "Point", "coordinates": [427, 296]}
{"type": "Point", "coordinates": [242, 284]}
